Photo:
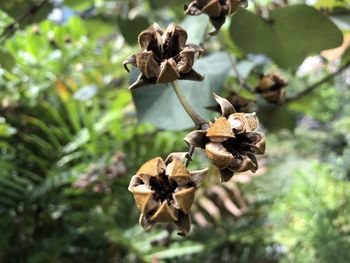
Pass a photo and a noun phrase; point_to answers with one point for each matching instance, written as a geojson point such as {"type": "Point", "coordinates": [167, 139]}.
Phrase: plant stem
{"type": "Point", "coordinates": [240, 79]}
{"type": "Point", "coordinates": [198, 120]}
{"type": "Point", "coordinates": [317, 84]}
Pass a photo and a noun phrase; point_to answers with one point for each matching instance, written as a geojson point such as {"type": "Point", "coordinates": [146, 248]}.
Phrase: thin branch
{"type": "Point", "coordinates": [240, 79]}
{"type": "Point", "coordinates": [196, 118]}
{"type": "Point", "coordinates": [11, 28]}
{"type": "Point", "coordinates": [317, 84]}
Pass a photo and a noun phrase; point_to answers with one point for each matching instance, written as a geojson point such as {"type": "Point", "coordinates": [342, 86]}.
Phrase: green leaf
{"type": "Point", "coordinates": [79, 5]}
{"type": "Point", "coordinates": [288, 36]}
{"type": "Point", "coordinates": [130, 28]}
{"type": "Point", "coordinates": [196, 28]}
{"type": "Point", "coordinates": [6, 60]}
{"type": "Point", "coordinates": [158, 104]}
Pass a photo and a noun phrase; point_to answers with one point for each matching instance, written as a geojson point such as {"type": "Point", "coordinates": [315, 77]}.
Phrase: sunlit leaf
{"type": "Point", "coordinates": [288, 36]}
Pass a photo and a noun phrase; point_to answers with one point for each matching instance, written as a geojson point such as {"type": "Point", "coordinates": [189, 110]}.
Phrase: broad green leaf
{"type": "Point", "coordinates": [288, 36]}
{"type": "Point", "coordinates": [79, 5]}
{"type": "Point", "coordinates": [196, 28]}
{"type": "Point", "coordinates": [6, 60]}
{"type": "Point", "coordinates": [158, 104]}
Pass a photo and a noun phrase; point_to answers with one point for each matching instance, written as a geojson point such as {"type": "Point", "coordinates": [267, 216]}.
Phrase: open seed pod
{"type": "Point", "coordinates": [232, 141]}
{"type": "Point", "coordinates": [165, 56]}
{"type": "Point", "coordinates": [217, 10]}
{"type": "Point", "coordinates": [272, 88]}
{"type": "Point", "coordinates": [164, 192]}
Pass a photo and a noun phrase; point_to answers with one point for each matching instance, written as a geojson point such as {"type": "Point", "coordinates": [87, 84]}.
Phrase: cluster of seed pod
{"type": "Point", "coordinates": [164, 190]}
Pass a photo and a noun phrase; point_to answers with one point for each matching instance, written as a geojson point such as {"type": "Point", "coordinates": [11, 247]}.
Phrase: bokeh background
{"type": "Point", "coordinates": [72, 134]}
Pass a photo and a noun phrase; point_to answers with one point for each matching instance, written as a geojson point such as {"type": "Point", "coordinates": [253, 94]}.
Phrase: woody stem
{"type": "Point", "coordinates": [198, 120]}
{"type": "Point", "coordinates": [240, 79]}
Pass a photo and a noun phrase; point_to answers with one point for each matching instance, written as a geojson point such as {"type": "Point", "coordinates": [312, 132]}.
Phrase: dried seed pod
{"type": "Point", "coordinates": [164, 192]}
{"type": "Point", "coordinates": [272, 88]}
{"type": "Point", "coordinates": [240, 104]}
{"type": "Point", "coordinates": [164, 57]}
{"type": "Point", "coordinates": [217, 10]}
{"type": "Point", "coordinates": [231, 142]}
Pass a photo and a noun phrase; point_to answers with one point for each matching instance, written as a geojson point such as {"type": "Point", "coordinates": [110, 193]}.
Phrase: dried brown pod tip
{"type": "Point", "coordinates": [272, 88]}
{"type": "Point", "coordinates": [217, 10]}
{"type": "Point", "coordinates": [164, 56]}
{"type": "Point", "coordinates": [232, 141]}
{"type": "Point", "coordinates": [240, 103]}
{"type": "Point", "coordinates": [164, 192]}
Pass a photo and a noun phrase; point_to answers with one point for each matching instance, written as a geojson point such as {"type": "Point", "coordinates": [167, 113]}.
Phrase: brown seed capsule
{"type": "Point", "coordinates": [272, 88]}
{"type": "Point", "coordinates": [231, 142]}
{"type": "Point", "coordinates": [165, 56]}
{"type": "Point", "coordinates": [164, 192]}
{"type": "Point", "coordinates": [217, 10]}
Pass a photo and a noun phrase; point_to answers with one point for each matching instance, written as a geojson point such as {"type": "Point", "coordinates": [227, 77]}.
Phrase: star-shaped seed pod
{"type": "Point", "coordinates": [164, 192]}
{"type": "Point", "coordinates": [217, 10]}
{"type": "Point", "coordinates": [164, 56]}
{"type": "Point", "coordinates": [272, 88]}
{"type": "Point", "coordinates": [231, 142]}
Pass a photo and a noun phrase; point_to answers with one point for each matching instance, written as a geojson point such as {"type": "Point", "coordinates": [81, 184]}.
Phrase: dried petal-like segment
{"type": "Point", "coordinates": [212, 8]}
{"type": "Point", "coordinates": [186, 60]}
{"type": "Point", "coordinates": [233, 6]}
{"type": "Point", "coordinates": [183, 223]}
{"type": "Point", "coordinates": [147, 64]}
{"type": "Point", "coordinates": [141, 82]}
{"type": "Point", "coordinates": [226, 174]}
{"type": "Point", "coordinates": [168, 71]}
{"type": "Point", "coordinates": [197, 138]}
{"type": "Point", "coordinates": [193, 9]}
{"type": "Point", "coordinates": [192, 75]}
{"type": "Point", "coordinates": [178, 172]}
{"type": "Point", "coordinates": [220, 131]}
{"type": "Point", "coordinates": [165, 214]}
{"type": "Point", "coordinates": [151, 168]}
{"type": "Point", "coordinates": [175, 33]}
{"type": "Point", "coordinates": [183, 199]}
{"type": "Point", "coordinates": [217, 23]}
{"type": "Point", "coordinates": [243, 122]}
{"type": "Point", "coordinates": [218, 154]}
{"type": "Point", "coordinates": [131, 60]}
{"type": "Point", "coordinates": [226, 107]}
{"type": "Point", "coordinates": [182, 156]}
{"type": "Point", "coordinates": [145, 222]}
{"type": "Point", "coordinates": [198, 176]}
{"type": "Point", "coordinates": [143, 198]}
{"type": "Point", "coordinates": [256, 142]}
{"type": "Point", "coordinates": [242, 163]}
{"type": "Point", "coordinates": [148, 37]}
{"type": "Point", "coordinates": [135, 181]}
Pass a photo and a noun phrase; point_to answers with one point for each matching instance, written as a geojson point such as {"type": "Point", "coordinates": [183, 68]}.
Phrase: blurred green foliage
{"type": "Point", "coordinates": [70, 136]}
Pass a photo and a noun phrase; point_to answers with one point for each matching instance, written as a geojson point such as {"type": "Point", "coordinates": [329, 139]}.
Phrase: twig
{"type": "Point", "coordinates": [240, 79]}
{"type": "Point", "coordinates": [198, 120]}
{"type": "Point", "coordinates": [317, 84]}
{"type": "Point", "coordinates": [11, 28]}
